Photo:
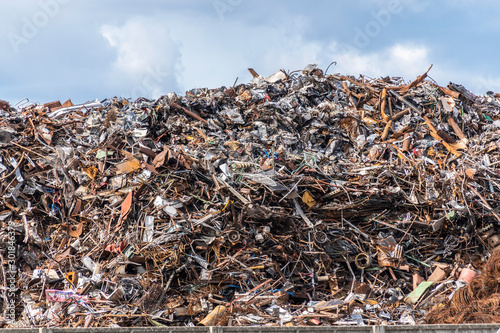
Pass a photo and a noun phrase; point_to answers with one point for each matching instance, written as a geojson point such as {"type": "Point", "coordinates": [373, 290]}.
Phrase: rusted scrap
{"type": "Point", "coordinates": [293, 200]}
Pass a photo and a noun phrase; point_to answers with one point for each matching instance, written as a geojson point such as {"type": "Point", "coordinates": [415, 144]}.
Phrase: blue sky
{"type": "Point", "coordinates": [87, 49]}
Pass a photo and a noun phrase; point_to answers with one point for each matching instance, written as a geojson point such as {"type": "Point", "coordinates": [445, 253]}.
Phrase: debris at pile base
{"type": "Point", "coordinates": [300, 199]}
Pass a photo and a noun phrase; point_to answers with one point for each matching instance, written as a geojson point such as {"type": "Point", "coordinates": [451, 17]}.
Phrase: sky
{"type": "Point", "coordinates": [88, 49]}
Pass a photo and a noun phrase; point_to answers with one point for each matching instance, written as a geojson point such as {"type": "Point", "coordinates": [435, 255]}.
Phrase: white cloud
{"type": "Point", "coordinates": [155, 55]}
{"type": "Point", "coordinates": [219, 52]}
{"type": "Point", "coordinates": [409, 61]}
{"type": "Point", "coordinates": [148, 59]}
{"type": "Point", "coordinates": [405, 60]}
{"type": "Point", "coordinates": [144, 45]}
{"type": "Point", "coordinates": [176, 46]}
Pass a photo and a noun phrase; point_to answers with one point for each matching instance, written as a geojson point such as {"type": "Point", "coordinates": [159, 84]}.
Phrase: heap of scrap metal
{"type": "Point", "coordinates": [300, 199]}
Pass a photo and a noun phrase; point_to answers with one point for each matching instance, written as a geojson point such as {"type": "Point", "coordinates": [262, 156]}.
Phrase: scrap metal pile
{"type": "Point", "coordinates": [300, 199]}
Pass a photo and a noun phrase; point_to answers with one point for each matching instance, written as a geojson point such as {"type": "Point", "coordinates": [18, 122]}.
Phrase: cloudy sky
{"type": "Point", "coordinates": [88, 49]}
